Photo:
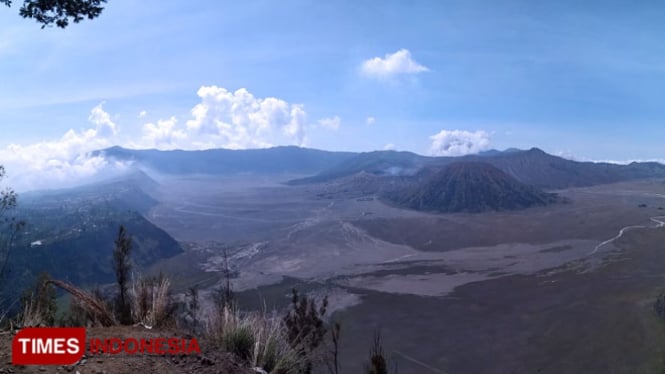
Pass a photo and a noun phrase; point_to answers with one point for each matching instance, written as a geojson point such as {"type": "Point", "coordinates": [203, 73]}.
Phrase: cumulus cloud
{"type": "Point", "coordinates": [392, 64]}
{"type": "Point", "coordinates": [62, 162]}
{"type": "Point", "coordinates": [370, 120]}
{"type": "Point", "coordinates": [331, 123]}
{"type": "Point", "coordinates": [295, 128]}
{"type": "Point", "coordinates": [458, 142]}
{"type": "Point", "coordinates": [142, 114]}
{"type": "Point", "coordinates": [222, 119]}
{"type": "Point", "coordinates": [104, 126]}
{"type": "Point", "coordinates": [163, 135]}
{"type": "Point", "coordinates": [240, 120]}
{"type": "Point", "coordinates": [389, 147]}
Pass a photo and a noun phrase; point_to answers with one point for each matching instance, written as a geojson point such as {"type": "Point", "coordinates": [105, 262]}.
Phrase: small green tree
{"type": "Point", "coordinates": [121, 267]}
{"type": "Point", "coordinates": [305, 325]}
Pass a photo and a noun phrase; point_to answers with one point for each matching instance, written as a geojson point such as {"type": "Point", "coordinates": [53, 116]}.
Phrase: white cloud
{"type": "Point", "coordinates": [62, 162]}
{"type": "Point", "coordinates": [142, 114]}
{"type": "Point", "coordinates": [392, 64]}
{"type": "Point", "coordinates": [105, 127]}
{"type": "Point", "coordinates": [622, 162]}
{"type": "Point", "coordinates": [163, 135]}
{"type": "Point", "coordinates": [225, 119]}
{"type": "Point", "coordinates": [389, 147]}
{"type": "Point", "coordinates": [331, 123]}
{"type": "Point", "coordinates": [568, 155]}
{"type": "Point", "coordinates": [295, 129]}
{"type": "Point", "coordinates": [239, 120]}
{"type": "Point", "coordinates": [370, 120]}
{"type": "Point", "coordinates": [458, 142]}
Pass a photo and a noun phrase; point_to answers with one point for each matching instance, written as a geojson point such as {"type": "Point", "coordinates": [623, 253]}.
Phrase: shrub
{"type": "Point", "coordinates": [257, 338]}
{"type": "Point", "coordinates": [239, 340]}
{"type": "Point", "coordinates": [305, 326]}
{"type": "Point", "coordinates": [377, 360]}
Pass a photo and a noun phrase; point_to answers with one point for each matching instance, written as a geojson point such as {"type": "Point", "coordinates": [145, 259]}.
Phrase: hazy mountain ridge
{"type": "Point", "coordinates": [533, 167]}
{"type": "Point", "coordinates": [275, 160]}
{"type": "Point", "coordinates": [70, 233]}
{"type": "Point", "coordinates": [538, 168]}
{"type": "Point", "coordinates": [379, 163]}
{"type": "Point", "coordinates": [130, 191]}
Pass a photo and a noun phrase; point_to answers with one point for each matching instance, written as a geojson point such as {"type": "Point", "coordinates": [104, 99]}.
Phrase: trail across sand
{"type": "Point", "coordinates": [657, 220]}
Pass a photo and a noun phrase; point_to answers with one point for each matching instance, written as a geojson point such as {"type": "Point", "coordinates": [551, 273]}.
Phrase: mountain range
{"type": "Point", "coordinates": [277, 160]}
{"type": "Point", "coordinates": [490, 180]}
{"type": "Point", "coordinates": [533, 167]}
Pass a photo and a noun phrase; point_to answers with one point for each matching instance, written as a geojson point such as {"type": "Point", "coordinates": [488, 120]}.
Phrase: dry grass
{"type": "Point", "coordinates": [4, 320]}
{"type": "Point", "coordinates": [151, 301]}
{"type": "Point", "coordinates": [258, 338]}
{"type": "Point", "coordinates": [31, 315]}
{"type": "Point", "coordinates": [94, 306]}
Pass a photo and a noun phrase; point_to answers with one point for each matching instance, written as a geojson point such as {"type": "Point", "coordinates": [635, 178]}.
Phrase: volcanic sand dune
{"type": "Point", "coordinates": [499, 292]}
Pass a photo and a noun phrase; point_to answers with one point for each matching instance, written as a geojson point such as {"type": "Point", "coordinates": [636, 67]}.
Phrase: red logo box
{"type": "Point", "coordinates": [48, 346]}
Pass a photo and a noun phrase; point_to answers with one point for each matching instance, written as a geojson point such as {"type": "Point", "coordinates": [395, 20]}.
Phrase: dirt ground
{"type": "Point", "coordinates": [566, 321]}
{"type": "Point", "coordinates": [208, 362]}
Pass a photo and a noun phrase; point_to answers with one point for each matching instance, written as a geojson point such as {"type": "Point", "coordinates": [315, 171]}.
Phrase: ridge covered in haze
{"type": "Point", "coordinates": [532, 167]}
{"type": "Point", "coordinates": [277, 160]}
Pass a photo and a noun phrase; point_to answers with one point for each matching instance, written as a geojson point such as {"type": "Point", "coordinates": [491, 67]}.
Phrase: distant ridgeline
{"type": "Point", "coordinates": [491, 180]}
{"type": "Point", "coordinates": [533, 167]}
{"type": "Point", "coordinates": [277, 160]}
{"type": "Point", "coordinates": [70, 233]}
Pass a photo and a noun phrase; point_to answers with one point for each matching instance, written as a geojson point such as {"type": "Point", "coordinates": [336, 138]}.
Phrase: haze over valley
{"type": "Point", "coordinates": [485, 242]}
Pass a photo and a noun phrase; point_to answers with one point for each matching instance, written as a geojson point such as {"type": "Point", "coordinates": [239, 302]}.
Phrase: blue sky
{"type": "Point", "coordinates": [578, 78]}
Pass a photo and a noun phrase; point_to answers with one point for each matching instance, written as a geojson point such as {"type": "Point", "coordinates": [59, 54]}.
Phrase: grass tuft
{"type": "Point", "coordinates": [258, 338]}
